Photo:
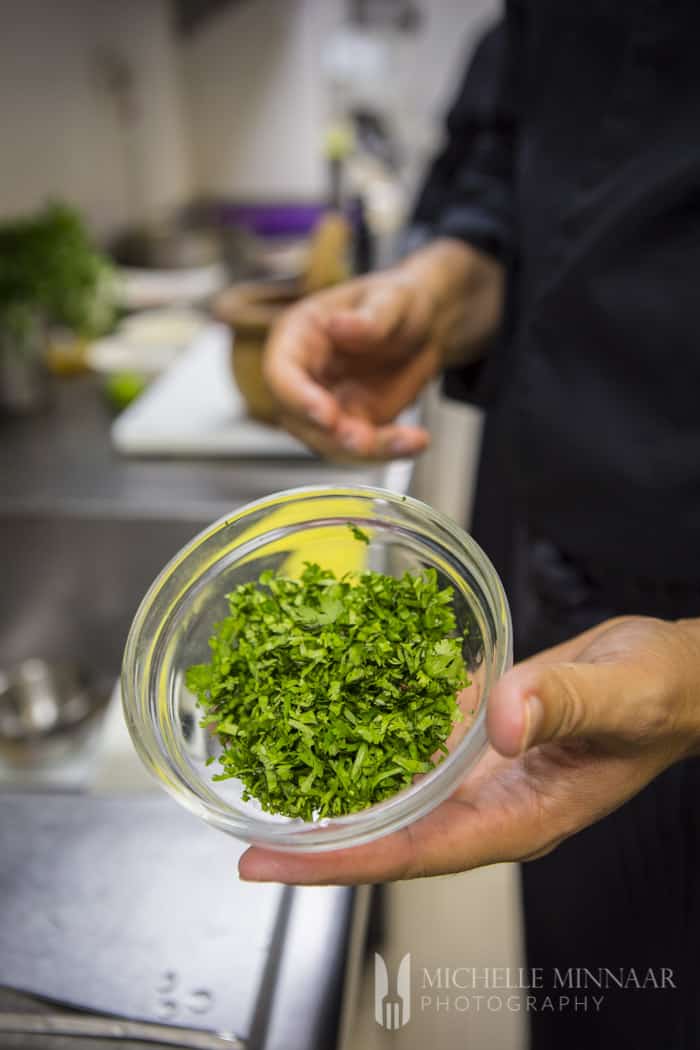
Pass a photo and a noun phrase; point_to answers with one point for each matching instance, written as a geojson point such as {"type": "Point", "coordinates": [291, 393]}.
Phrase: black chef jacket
{"type": "Point", "coordinates": [468, 122]}
{"type": "Point", "coordinates": [585, 180]}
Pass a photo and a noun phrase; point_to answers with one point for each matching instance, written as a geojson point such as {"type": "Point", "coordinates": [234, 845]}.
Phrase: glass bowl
{"type": "Point", "coordinates": [176, 618]}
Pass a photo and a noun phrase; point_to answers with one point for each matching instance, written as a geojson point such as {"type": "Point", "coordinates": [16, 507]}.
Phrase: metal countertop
{"type": "Point", "coordinates": [62, 461]}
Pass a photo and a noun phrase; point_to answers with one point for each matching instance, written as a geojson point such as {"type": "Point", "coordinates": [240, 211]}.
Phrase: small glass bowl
{"type": "Point", "coordinates": [176, 618]}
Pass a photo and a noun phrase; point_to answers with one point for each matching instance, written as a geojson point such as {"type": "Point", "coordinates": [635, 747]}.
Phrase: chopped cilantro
{"type": "Point", "coordinates": [358, 533]}
{"type": "Point", "coordinates": [328, 694]}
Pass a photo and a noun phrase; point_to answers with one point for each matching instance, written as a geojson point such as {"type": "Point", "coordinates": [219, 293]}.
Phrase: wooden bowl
{"type": "Point", "coordinates": [250, 309]}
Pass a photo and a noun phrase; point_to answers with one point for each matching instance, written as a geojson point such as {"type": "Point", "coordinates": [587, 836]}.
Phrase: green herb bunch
{"type": "Point", "coordinates": [328, 694]}
{"type": "Point", "coordinates": [47, 262]}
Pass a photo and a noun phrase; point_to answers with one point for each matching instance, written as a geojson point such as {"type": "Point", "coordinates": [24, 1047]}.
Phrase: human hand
{"type": "Point", "coordinates": [342, 364]}
{"type": "Point", "coordinates": [575, 731]}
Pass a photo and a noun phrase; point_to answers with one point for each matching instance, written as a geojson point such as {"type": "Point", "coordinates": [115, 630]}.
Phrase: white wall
{"type": "Point", "coordinates": [256, 95]}
{"type": "Point", "coordinates": [255, 98]}
{"type": "Point", "coordinates": [59, 126]}
{"type": "Point", "coordinates": [430, 64]}
{"type": "Point", "coordinates": [249, 121]}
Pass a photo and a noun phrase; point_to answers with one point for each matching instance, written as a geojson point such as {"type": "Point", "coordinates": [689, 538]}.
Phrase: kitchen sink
{"type": "Point", "coordinates": [71, 585]}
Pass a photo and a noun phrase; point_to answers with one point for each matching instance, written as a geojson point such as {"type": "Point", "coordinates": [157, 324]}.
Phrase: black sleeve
{"type": "Point", "coordinates": [467, 118]}
{"type": "Point", "coordinates": [480, 205]}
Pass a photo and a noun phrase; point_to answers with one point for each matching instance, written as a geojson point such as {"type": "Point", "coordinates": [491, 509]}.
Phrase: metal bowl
{"type": "Point", "coordinates": [46, 712]}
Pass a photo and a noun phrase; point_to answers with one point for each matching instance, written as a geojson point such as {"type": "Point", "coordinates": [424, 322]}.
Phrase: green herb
{"type": "Point", "coordinates": [331, 694]}
{"type": "Point", "coordinates": [358, 533]}
{"type": "Point", "coordinates": [47, 263]}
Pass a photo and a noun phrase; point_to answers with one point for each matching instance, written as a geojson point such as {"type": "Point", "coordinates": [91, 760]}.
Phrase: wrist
{"type": "Point", "coordinates": [464, 291]}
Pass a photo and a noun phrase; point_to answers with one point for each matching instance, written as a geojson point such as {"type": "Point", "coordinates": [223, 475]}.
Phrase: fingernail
{"type": "Point", "coordinates": [252, 873]}
{"type": "Point", "coordinates": [534, 713]}
{"type": "Point", "coordinates": [257, 877]}
{"type": "Point", "coordinates": [349, 440]}
{"type": "Point", "coordinates": [400, 446]}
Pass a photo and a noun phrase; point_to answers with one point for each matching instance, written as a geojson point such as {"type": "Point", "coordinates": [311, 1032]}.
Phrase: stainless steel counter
{"type": "Point", "coordinates": [130, 907]}
{"type": "Point", "coordinates": [63, 461]}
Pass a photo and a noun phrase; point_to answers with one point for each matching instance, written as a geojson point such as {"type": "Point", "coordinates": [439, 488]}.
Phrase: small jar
{"type": "Point", "coordinates": [178, 615]}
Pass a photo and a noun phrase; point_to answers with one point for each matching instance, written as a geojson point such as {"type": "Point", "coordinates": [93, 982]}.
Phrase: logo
{"type": "Point", "coordinates": [392, 1009]}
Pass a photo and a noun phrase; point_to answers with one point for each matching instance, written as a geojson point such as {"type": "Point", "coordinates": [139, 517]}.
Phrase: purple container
{"type": "Point", "coordinates": [274, 218]}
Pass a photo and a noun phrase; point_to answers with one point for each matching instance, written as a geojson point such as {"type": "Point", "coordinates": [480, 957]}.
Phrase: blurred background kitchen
{"type": "Point", "coordinates": [173, 171]}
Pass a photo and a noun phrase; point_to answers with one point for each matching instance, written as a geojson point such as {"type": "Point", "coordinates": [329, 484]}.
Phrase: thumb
{"type": "Point", "coordinates": [536, 702]}
{"type": "Point", "coordinates": [375, 318]}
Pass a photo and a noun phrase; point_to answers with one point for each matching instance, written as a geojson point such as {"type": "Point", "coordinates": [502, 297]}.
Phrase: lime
{"type": "Point", "coordinates": [121, 388]}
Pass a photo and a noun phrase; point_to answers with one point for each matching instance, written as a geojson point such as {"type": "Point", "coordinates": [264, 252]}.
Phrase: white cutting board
{"type": "Point", "coordinates": [195, 409]}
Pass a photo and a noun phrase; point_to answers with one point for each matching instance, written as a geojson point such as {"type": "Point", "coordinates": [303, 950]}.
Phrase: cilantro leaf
{"type": "Point", "coordinates": [358, 533]}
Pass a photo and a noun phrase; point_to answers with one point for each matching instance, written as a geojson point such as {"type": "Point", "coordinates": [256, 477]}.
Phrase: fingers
{"type": "Point", "coordinates": [493, 817]}
{"type": "Point", "coordinates": [404, 383]}
{"type": "Point", "coordinates": [375, 320]}
{"type": "Point", "coordinates": [351, 317]}
{"type": "Point", "coordinates": [513, 705]}
{"type": "Point", "coordinates": [363, 440]}
{"type": "Point", "coordinates": [350, 427]}
{"type": "Point", "coordinates": [456, 836]}
{"type": "Point", "coordinates": [353, 418]}
{"type": "Point", "coordinates": [538, 701]}
{"type": "Point", "coordinates": [388, 858]}
{"type": "Point", "coordinates": [354, 439]}
{"type": "Point", "coordinates": [294, 347]}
